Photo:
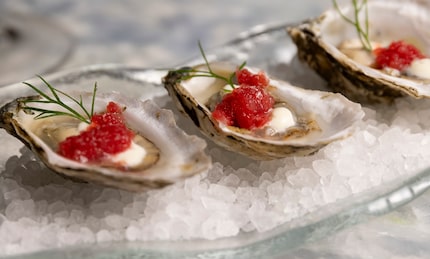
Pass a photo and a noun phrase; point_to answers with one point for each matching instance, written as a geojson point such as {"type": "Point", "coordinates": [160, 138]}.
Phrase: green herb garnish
{"type": "Point", "coordinates": [56, 99]}
{"type": "Point", "coordinates": [191, 72]}
{"type": "Point", "coordinates": [362, 30]}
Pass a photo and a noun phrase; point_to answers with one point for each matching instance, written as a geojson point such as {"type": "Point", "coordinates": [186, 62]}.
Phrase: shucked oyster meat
{"type": "Point", "coordinates": [169, 154]}
{"type": "Point", "coordinates": [319, 42]}
{"type": "Point", "coordinates": [318, 118]}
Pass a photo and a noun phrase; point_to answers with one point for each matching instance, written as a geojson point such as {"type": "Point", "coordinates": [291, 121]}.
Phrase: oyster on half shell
{"type": "Point", "coordinates": [319, 40]}
{"type": "Point", "coordinates": [320, 117]}
{"type": "Point", "coordinates": [170, 154]}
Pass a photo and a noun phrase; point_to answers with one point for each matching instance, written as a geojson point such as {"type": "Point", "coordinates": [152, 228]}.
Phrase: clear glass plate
{"type": "Point", "coordinates": [30, 45]}
{"type": "Point", "coordinates": [268, 48]}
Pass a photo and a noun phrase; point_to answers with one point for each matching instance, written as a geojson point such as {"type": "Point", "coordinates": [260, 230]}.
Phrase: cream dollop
{"type": "Point", "coordinates": [282, 119]}
{"type": "Point", "coordinates": [130, 157]}
{"type": "Point", "coordinates": [419, 68]}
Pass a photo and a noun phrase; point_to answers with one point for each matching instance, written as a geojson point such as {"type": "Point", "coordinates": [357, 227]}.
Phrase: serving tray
{"type": "Point", "coordinates": [269, 48]}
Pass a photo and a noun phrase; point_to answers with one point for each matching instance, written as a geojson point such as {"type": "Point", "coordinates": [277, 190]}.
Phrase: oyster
{"type": "Point", "coordinates": [319, 41]}
{"type": "Point", "coordinates": [170, 154]}
{"type": "Point", "coordinates": [319, 117]}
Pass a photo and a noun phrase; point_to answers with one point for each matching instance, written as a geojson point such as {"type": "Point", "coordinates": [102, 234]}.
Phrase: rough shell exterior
{"type": "Point", "coordinates": [181, 155]}
{"type": "Point", "coordinates": [358, 82]}
{"type": "Point", "coordinates": [306, 102]}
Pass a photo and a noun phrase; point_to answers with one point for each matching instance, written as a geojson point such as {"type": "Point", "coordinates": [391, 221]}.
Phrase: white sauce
{"type": "Point", "coordinates": [131, 157]}
{"type": "Point", "coordinates": [282, 119]}
{"type": "Point", "coordinates": [419, 68]}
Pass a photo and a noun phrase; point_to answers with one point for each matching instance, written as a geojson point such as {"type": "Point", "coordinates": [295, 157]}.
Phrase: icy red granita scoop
{"type": "Point", "coordinates": [398, 55]}
{"type": "Point", "coordinates": [248, 106]}
{"type": "Point", "coordinates": [246, 77]}
{"type": "Point", "coordinates": [106, 135]}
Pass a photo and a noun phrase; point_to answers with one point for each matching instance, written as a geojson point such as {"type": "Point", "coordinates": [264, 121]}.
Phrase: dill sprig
{"type": "Point", "coordinates": [192, 72]}
{"type": "Point", "coordinates": [362, 30]}
{"type": "Point", "coordinates": [57, 99]}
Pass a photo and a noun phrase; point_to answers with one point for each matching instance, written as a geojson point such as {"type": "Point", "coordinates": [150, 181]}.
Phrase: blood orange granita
{"type": "Point", "coordinates": [248, 106]}
{"type": "Point", "coordinates": [106, 135]}
{"type": "Point", "coordinates": [398, 55]}
{"type": "Point", "coordinates": [245, 77]}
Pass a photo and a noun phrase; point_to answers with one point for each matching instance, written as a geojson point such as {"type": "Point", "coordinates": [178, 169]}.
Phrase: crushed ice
{"type": "Point", "coordinates": [39, 209]}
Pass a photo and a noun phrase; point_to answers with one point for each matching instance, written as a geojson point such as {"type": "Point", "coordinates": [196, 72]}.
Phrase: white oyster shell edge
{"type": "Point", "coordinates": [181, 155]}
{"type": "Point", "coordinates": [389, 20]}
{"type": "Point", "coordinates": [334, 113]}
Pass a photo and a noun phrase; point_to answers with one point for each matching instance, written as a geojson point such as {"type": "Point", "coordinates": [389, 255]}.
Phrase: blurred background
{"type": "Point", "coordinates": [147, 33]}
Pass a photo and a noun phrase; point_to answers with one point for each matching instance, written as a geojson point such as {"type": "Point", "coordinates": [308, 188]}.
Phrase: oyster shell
{"type": "Point", "coordinates": [321, 117]}
{"type": "Point", "coordinates": [171, 154]}
{"type": "Point", "coordinates": [318, 43]}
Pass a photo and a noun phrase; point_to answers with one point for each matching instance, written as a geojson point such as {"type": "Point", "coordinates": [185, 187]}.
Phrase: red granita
{"type": "Point", "coordinates": [252, 107]}
{"type": "Point", "coordinates": [398, 55]}
{"type": "Point", "coordinates": [245, 77]}
{"type": "Point", "coordinates": [224, 111]}
{"type": "Point", "coordinates": [245, 107]}
{"type": "Point", "coordinates": [106, 135]}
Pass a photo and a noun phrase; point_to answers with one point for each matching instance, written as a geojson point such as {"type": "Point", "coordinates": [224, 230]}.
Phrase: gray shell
{"type": "Point", "coordinates": [178, 155]}
{"type": "Point", "coordinates": [332, 115]}
{"type": "Point", "coordinates": [317, 41]}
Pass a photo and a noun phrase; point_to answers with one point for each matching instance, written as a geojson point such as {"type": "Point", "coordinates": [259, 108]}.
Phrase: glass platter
{"type": "Point", "coordinates": [266, 47]}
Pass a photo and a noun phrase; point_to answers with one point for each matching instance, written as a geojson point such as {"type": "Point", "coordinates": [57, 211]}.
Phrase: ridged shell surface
{"type": "Point", "coordinates": [318, 39]}
{"type": "Point", "coordinates": [330, 116]}
{"type": "Point", "coordinates": [176, 155]}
